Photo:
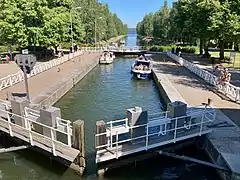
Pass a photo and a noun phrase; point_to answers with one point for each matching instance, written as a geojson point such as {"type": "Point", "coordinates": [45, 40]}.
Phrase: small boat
{"type": "Point", "coordinates": [142, 67]}
{"type": "Point", "coordinates": [107, 58]}
{"type": "Point", "coordinates": [122, 42]}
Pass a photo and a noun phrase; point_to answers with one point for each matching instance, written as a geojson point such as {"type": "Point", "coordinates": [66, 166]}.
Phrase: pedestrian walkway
{"type": "Point", "coordinates": [195, 91]}
{"type": "Point", "coordinates": [49, 81]}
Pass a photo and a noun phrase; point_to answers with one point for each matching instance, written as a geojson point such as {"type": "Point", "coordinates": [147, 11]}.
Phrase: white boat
{"type": "Point", "coordinates": [107, 58]}
{"type": "Point", "coordinates": [142, 67]}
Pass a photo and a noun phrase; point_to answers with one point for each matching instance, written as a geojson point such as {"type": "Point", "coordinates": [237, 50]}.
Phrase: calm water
{"type": "Point", "coordinates": [104, 94]}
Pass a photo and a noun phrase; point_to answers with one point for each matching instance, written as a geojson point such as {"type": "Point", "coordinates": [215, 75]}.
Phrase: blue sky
{"type": "Point", "coordinates": [132, 11]}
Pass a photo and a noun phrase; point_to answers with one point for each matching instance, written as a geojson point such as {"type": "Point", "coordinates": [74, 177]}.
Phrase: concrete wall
{"type": "Point", "coordinates": [66, 86]}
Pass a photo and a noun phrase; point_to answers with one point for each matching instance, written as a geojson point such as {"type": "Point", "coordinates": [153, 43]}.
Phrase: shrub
{"type": "Point", "coordinates": [161, 48]}
{"type": "Point", "coordinates": [190, 49]}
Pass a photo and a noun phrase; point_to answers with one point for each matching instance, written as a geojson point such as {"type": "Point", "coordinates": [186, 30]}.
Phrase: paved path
{"type": "Point", "coordinates": [195, 91]}
{"type": "Point", "coordinates": [50, 80]}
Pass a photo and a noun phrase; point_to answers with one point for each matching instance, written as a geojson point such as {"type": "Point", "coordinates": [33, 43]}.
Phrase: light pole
{"type": "Point", "coordinates": [72, 23]}
{"type": "Point", "coordinates": [95, 30]}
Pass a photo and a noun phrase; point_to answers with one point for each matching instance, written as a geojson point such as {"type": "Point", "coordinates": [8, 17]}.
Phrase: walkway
{"type": "Point", "coordinates": [50, 80]}
{"type": "Point", "coordinates": [195, 91]}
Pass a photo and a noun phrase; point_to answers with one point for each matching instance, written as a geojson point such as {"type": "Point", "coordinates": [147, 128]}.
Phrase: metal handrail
{"type": "Point", "coordinates": [203, 118]}
{"type": "Point", "coordinates": [227, 88]}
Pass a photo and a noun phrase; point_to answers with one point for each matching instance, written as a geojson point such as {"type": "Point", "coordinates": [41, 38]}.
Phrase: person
{"type": "Point", "coordinates": [75, 47]}
{"type": "Point", "coordinates": [228, 78]}
{"type": "Point", "coordinates": [213, 64]}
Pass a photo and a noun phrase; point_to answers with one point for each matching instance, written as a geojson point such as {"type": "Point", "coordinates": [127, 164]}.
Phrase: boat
{"type": "Point", "coordinates": [122, 42]}
{"type": "Point", "coordinates": [142, 67]}
{"type": "Point", "coordinates": [107, 58]}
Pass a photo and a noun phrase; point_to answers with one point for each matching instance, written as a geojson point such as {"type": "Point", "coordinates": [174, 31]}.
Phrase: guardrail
{"type": "Point", "coordinates": [119, 132]}
{"type": "Point", "coordinates": [10, 80]}
{"type": "Point", "coordinates": [229, 90]}
{"type": "Point", "coordinates": [34, 136]}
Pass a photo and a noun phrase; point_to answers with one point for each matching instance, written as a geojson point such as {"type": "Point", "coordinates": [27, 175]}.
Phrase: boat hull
{"type": "Point", "coordinates": [142, 75]}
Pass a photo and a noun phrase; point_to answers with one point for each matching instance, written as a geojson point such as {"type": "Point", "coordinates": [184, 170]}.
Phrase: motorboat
{"type": "Point", "coordinates": [107, 58]}
{"type": "Point", "coordinates": [142, 67]}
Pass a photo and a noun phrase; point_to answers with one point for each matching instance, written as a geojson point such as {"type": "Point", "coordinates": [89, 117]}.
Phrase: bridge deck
{"type": "Point", "coordinates": [117, 142]}
{"type": "Point", "coordinates": [140, 145]}
{"type": "Point", "coordinates": [31, 133]}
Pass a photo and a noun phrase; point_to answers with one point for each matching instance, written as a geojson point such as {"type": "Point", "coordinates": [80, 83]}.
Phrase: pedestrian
{"type": "Point", "coordinates": [213, 63]}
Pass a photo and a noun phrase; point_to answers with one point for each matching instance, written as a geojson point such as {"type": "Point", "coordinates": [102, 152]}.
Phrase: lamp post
{"type": "Point", "coordinates": [72, 23]}
{"type": "Point", "coordinates": [95, 30]}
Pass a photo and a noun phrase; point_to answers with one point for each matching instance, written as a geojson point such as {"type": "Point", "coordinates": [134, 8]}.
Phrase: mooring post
{"type": "Point", "coordinates": [100, 129]}
{"type": "Point", "coordinates": [79, 163]}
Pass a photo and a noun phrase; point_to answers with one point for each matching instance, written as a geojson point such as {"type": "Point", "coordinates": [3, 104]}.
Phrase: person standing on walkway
{"type": "Point", "coordinates": [213, 63]}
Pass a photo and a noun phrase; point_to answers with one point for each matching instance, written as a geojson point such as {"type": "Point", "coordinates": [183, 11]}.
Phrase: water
{"type": "Point", "coordinates": [104, 94]}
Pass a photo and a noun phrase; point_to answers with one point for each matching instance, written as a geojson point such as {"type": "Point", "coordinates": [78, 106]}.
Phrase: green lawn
{"type": "Point", "coordinates": [226, 64]}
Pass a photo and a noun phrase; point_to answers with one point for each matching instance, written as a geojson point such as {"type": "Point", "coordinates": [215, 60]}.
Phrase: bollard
{"type": "Point", "coordinates": [48, 117]}
{"type": "Point", "coordinates": [102, 139]}
{"type": "Point", "coordinates": [18, 106]}
{"type": "Point", "coordinates": [79, 164]}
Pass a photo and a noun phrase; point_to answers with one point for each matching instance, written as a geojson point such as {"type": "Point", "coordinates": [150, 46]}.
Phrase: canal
{"type": "Point", "coordinates": [104, 94]}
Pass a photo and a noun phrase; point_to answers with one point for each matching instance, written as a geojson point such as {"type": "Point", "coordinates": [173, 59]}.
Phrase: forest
{"type": "Point", "coordinates": [48, 22]}
{"type": "Point", "coordinates": [206, 23]}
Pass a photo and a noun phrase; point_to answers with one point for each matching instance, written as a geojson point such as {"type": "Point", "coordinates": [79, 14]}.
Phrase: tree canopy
{"type": "Point", "coordinates": [47, 22]}
{"type": "Point", "coordinates": [191, 20]}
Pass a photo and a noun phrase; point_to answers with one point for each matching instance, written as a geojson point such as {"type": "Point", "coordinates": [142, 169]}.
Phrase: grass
{"type": "Point", "coordinates": [235, 65]}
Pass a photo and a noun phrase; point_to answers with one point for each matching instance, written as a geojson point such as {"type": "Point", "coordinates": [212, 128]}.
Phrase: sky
{"type": "Point", "coordinates": [133, 11]}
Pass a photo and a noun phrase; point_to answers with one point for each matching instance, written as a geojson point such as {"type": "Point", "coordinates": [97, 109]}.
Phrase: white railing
{"type": "Point", "coordinates": [10, 80]}
{"type": "Point", "coordinates": [227, 89]}
{"type": "Point", "coordinates": [93, 49]}
{"type": "Point", "coordinates": [32, 135]}
{"type": "Point", "coordinates": [29, 132]}
{"type": "Point", "coordinates": [119, 132]}
{"type": "Point", "coordinates": [125, 48]}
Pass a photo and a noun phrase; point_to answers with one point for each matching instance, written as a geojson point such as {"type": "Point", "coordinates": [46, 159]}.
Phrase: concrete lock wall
{"type": "Point", "coordinates": [66, 85]}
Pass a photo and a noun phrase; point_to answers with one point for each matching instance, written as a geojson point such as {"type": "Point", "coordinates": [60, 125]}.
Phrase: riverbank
{"type": "Point", "coordinates": [222, 144]}
{"type": "Point", "coordinates": [49, 86]}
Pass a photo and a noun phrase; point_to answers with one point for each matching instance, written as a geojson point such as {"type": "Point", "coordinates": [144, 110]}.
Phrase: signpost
{"type": "Point", "coordinates": [26, 62]}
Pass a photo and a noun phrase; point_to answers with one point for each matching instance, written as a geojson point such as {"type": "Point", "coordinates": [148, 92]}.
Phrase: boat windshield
{"type": "Point", "coordinates": [145, 66]}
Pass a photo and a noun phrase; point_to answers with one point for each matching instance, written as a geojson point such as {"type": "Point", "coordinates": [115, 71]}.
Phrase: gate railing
{"type": "Point", "coordinates": [119, 133]}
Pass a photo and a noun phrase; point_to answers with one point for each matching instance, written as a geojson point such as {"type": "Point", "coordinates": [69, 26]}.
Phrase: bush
{"type": "Point", "coordinates": [161, 48]}
{"type": "Point", "coordinates": [190, 49]}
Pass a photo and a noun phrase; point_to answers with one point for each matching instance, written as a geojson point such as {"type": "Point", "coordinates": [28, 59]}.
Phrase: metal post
{"type": "Point", "coordinates": [68, 134]}
{"type": "Point", "coordinates": [175, 131]}
{"type": "Point", "coordinates": [147, 138]}
{"type": "Point", "coordinates": [26, 82]}
{"type": "Point", "coordinates": [71, 28]}
{"type": "Point", "coordinates": [116, 145]}
{"type": "Point", "coordinates": [95, 33]}
{"type": "Point", "coordinates": [111, 138]}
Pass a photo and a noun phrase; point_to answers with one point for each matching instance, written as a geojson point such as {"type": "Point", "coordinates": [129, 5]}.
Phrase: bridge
{"type": "Point", "coordinates": [142, 132]}
{"type": "Point", "coordinates": [45, 130]}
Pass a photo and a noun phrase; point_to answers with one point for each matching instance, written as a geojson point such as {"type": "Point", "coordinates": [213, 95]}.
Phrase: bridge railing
{"type": "Point", "coordinates": [231, 91]}
{"type": "Point", "coordinates": [12, 79]}
{"type": "Point", "coordinates": [31, 131]}
{"type": "Point", "coordinates": [144, 136]}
